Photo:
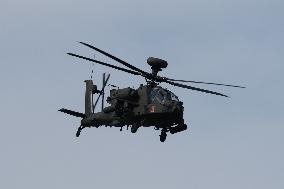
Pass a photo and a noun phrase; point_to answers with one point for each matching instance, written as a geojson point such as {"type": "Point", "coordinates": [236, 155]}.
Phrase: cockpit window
{"type": "Point", "coordinates": [156, 96]}
{"type": "Point", "coordinates": [159, 95]}
{"type": "Point", "coordinates": [174, 97]}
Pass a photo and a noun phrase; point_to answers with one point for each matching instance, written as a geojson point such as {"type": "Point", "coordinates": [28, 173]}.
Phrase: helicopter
{"type": "Point", "coordinates": [150, 105]}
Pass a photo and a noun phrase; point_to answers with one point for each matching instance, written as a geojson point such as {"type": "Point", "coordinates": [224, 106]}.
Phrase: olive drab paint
{"type": "Point", "coordinates": [146, 106]}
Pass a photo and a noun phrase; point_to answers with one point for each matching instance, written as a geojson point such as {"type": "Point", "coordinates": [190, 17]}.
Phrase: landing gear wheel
{"type": "Point", "coordinates": [163, 136]}
{"type": "Point", "coordinates": [184, 127]}
{"type": "Point", "coordinates": [134, 128]}
{"type": "Point", "coordinates": [178, 128]}
{"type": "Point", "coordinates": [172, 130]}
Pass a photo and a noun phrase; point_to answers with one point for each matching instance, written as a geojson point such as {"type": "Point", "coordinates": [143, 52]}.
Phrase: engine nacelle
{"type": "Point", "coordinates": [126, 93]}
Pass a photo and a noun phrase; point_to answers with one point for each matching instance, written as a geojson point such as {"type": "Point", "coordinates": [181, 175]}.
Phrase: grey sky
{"type": "Point", "coordinates": [232, 143]}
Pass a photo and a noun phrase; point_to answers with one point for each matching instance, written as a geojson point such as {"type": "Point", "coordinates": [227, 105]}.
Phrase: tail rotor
{"type": "Point", "coordinates": [102, 91]}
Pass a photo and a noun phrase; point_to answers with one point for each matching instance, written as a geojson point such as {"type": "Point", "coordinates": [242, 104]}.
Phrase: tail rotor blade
{"type": "Point", "coordinates": [97, 101]}
{"type": "Point", "coordinates": [93, 107]}
{"type": "Point", "coordinates": [103, 95]}
{"type": "Point", "coordinates": [105, 80]}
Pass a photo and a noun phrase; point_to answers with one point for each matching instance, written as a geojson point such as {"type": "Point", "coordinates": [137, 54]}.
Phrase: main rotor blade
{"type": "Point", "coordinates": [105, 64]}
{"type": "Point", "coordinates": [227, 85]}
{"type": "Point", "coordinates": [195, 88]}
{"type": "Point", "coordinates": [115, 58]}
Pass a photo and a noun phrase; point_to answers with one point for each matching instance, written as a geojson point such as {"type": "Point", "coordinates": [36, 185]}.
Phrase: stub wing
{"type": "Point", "coordinates": [73, 113]}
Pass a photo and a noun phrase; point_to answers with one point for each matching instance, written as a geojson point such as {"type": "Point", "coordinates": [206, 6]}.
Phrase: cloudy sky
{"type": "Point", "coordinates": [233, 142]}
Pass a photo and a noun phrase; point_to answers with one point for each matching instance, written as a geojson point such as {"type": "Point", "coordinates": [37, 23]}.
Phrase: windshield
{"type": "Point", "coordinates": [159, 95]}
{"type": "Point", "coordinates": [173, 96]}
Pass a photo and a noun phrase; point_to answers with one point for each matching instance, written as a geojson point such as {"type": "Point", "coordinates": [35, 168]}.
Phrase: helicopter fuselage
{"type": "Point", "coordinates": [143, 107]}
{"type": "Point", "coordinates": [149, 105]}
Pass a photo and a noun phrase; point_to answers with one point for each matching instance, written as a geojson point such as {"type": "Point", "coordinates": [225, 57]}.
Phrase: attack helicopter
{"type": "Point", "coordinates": [150, 105]}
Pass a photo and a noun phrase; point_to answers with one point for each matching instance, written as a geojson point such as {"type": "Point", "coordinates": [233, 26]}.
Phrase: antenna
{"type": "Point", "coordinates": [93, 65]}
{"type": "Point", "coordinates": [92, 74]}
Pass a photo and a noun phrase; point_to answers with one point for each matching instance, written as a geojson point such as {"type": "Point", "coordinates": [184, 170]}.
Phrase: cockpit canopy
{"type": "Point", "coordinates": [160, 95]}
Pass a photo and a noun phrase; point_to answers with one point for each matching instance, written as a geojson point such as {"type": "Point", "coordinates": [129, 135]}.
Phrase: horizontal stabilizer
{"type": "Point", "coordinates": [73, 113]}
